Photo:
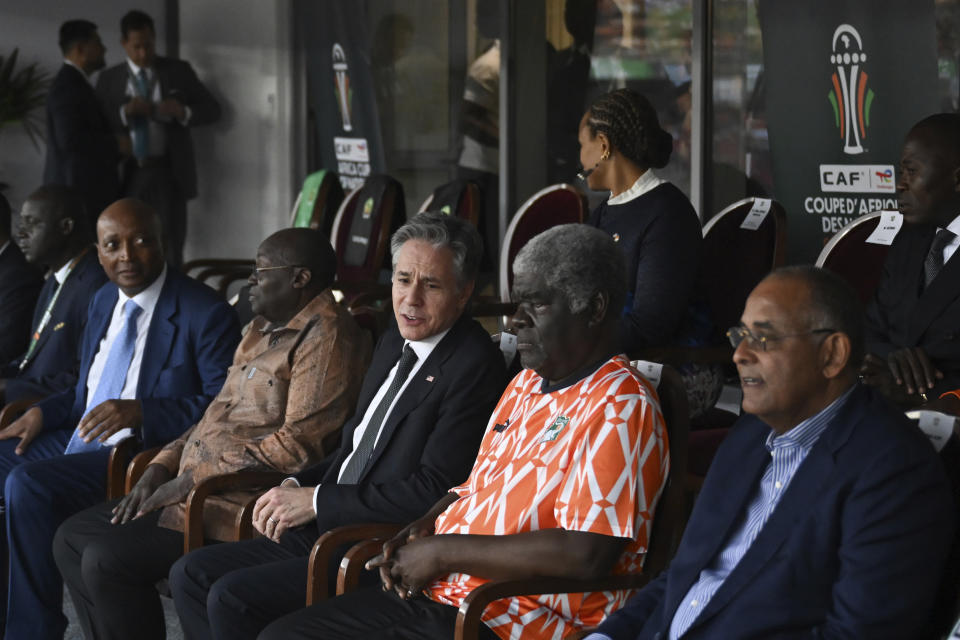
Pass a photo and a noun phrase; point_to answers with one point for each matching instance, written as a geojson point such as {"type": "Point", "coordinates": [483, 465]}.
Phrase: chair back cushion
{"type": "Point", "coordinates": [363, 231]}
{"type": "Point", "coordinates": [460, 198]}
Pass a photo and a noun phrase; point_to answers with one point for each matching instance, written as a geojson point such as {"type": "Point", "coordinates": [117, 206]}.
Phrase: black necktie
{"type": "Point", "coordinates": [934, 260]}
{"type": "Point", "coordinates": [364, 450]}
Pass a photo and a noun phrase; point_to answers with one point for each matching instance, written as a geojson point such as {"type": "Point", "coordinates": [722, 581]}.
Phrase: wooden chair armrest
{"type": "Point", "coordinates": [13, 409]}
{"type": "Point", "coordinates": [244, 523]}
{"type": "Point", "coordinates": [117, 467]}
{"type": "Point", "coordinates": [323, 549]}
{"type": "Point", "coordinates": [137, 466]}
{"type": "Point", "coordinates": [193, 519]}
{"type": "Point", "coordinates": [353, 561]}
{"type": "Point", "coordinates": [473, 606]}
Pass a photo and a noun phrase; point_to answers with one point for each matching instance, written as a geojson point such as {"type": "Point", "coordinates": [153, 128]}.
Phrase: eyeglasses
{"type": "Point", "coordinates": [738, 334]}
{"type": "Point", "coordinates": [258, 270]}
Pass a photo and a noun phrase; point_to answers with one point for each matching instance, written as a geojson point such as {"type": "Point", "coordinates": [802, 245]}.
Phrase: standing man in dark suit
{"type": "Point", "coordinates": [913, 321]}
{"type": "Point", "coordinates": [53, 233]}
{"type": "Point", "coordinates": [154, 354]}
{"type": "Point", "coordinates": [434, 379]}
{"type": "Point", "coordinates": [825, 513]}
{"type": "Point", "coordinates": [157, 100]}
{"type": "Point", "coordinates": [82, 150]}
{"type": "Point", "coordinates": [19, 288]}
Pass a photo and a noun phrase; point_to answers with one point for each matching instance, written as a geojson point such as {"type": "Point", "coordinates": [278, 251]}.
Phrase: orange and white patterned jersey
{"type": "Point", "coordinates": [591, 456]}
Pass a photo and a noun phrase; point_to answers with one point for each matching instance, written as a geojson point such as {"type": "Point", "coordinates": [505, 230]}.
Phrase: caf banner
{"type": "Point", "coordinates": [341, 90]}
{"type": "Point", "coordinates": [845, 80]}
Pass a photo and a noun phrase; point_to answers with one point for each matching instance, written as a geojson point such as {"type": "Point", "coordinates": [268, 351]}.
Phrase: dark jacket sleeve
{"type": "Point", "coordinates": [879, 332]}
{"type": "Point", "coordinates": [447, 457]}
{"type": "Point", "coordinates": [626, 623]}
{"type": "Point", "coordinates": [214, 342]}
{"type": "Point", "coordinates": [204, 108]}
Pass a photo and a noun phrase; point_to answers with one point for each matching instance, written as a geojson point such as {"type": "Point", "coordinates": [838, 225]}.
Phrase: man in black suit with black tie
{"type": "Point", "coordinates": [913, 321]}
{"type": "Point", "coordinates": [82, 150]}
{"type": "Point", "coordinates": [423, 406]}
{"type": "Point", "coordinates": [19, 288]}
{"type": "Point", "coordinates": [157, 100]}
{"type": "Point", "coordinates": [54, 234]}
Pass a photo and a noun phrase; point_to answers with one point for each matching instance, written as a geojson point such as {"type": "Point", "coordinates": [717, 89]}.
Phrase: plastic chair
{"type": "Point", "coordinates": [849, 255]}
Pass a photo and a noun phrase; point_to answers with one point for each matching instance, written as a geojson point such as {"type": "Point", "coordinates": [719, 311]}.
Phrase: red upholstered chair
{"type": "Point", "coordinates": [549, 207]}
{"type": "Point", "coordinates": [849, 255]}
{"type": "Point", "coordinates": [460, 198]}
{"type": "Point", "coordinates": [361, 235]}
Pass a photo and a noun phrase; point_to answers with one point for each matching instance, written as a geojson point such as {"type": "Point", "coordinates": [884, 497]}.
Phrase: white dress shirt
{"type": "Point", "coordinates": [951, 247]}
{"type": "Point", "coordinates": [158, 136]}
{"type": "Point", "coordinates": [423, 349]}
{"type": "Point", "coordinates": [146, 300]}
{"type": "Point", "coordinates": [645, 183]}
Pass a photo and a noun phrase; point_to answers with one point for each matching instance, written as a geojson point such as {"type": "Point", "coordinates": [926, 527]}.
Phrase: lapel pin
{"type": "Point", "coordinates": [429, 378]}
{"type": "Point", "coordinates": [59, 325]}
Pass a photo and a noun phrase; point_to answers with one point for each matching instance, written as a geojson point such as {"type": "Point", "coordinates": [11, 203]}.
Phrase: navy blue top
{"type": "Point", "coordinates": [660, 235]}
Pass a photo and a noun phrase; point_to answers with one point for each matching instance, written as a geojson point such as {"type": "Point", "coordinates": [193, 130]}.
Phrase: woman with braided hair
{"type": "Point", "coordinates": [654, 224]}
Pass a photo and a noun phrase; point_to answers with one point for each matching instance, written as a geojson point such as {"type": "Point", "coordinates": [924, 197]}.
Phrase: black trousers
{"type": "Point", "coordinates": [112, 571]}
{"type": "Point", "coordinates": [156, 186]}
{"type": "Point", "coordinates": [370, 614]}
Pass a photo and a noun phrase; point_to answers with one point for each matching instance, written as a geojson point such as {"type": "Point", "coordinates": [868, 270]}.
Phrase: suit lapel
{"type": "Point", "coordinates": [942, 292]}
{"type": "Point", "coordinates": [159, 337]}
{"type": "Point", "coordinates": [799, 501]}
{"type": "Point", "coordinates": [419, 387]}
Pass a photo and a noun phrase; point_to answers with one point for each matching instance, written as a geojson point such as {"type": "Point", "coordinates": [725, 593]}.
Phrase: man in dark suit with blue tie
{"type": "Point", "coordinates": [154, 354]}
{"type": "Point", "coordinates": [19, 288]}
{"type": "Point", "coordinates": [53, 233]}
{"type": "Point", "coordinates": [82, 150]}
{"type": "Point", "coordinates": [157, 100]}
{"type": "Point", "coordinates": [825, 513]}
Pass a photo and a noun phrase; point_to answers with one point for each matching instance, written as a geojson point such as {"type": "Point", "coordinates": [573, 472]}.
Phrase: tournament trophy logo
{"type": "Point", "coordinates": [850, 97]}
{"type": "Point", "coordinates": [342, 86]}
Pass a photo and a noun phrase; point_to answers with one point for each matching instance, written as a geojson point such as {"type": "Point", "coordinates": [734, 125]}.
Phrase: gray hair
{"type": "Point", "coordinates": [442, 230]}
{"type": "Point", "coordinates": [579, 261]}
{"type": "Point", "coordinates": [834, 304]}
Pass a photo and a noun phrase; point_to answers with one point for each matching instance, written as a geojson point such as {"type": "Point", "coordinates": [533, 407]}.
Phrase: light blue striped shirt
{"type": "Point", "coordinates": [787, 452]}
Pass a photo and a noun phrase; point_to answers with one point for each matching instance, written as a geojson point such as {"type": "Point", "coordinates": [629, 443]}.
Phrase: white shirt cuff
{"type": "Point", "coordinates": [316, 490]}
{"type": "Point", "coordinates": [186, 116]}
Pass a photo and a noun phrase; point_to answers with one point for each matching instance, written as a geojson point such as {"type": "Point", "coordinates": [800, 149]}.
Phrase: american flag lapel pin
{"type": "Point", "coordinates": [429, 378]}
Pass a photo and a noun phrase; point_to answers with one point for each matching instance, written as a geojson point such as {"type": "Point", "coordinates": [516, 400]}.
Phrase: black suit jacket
{"type": "Point", "coordinates": [20, 285]}
{"type": "Point", "coordinates": [55, 361]}
{"type": "Point", "coordinates": [81, 147]}
{"type": "Point", "coordinates": [900, 315]}
{"type": "Point", "coordinates": [177, 80]}
{"type": "Point", "coordinates": [430, 440]}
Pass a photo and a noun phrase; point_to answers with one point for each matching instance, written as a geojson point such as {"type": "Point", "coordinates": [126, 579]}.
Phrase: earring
{"type": "Point", "coordinates": [605, 155]}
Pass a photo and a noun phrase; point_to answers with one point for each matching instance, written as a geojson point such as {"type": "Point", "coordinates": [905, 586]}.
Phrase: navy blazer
{"type": "Point", "coordinates": [430, 440]}
{"type": "Point", "coordinates": [854, 549]}
{"type": "Point", "coordinates": [177, 80]}
{"type": "Point", "coordinates": [55, 361]}
{"type": "Point", "coordinates": [20, 285]}
{"type": "Point", "coordinates": [900, 315]}
{"type": "Point", "coordinates": [81, 147]}
{"type": "Point", "coordinates": [190, 345]}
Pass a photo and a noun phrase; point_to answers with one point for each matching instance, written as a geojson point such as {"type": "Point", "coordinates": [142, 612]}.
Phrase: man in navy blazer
{"type": "Point", "coordinates": [19, 287]}
{"type": "Point", "coordinates": [82, 150]}
{"type": "Point", "coordinates": [175, 361]}
{"type": "Point", "coordinates": [855, 546]}
{"type": "Point", "coordinates": [53, 233]}
{"type": "Point", "coordinates": [425, 444]}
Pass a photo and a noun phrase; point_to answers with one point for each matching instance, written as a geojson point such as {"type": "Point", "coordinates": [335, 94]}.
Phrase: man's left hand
{"type": "Point", "coordinates": [170, 108]}
{"type": "Point", "coordinates": [283, 508]}
{"type": "Point", "coordinates": [414, 565]}
{"type": "Point", "coordinates": [108, 417]}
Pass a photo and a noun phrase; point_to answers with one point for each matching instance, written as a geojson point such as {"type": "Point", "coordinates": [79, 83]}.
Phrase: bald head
{"type": "Point", "coordinates": [128, 243]}
{"type": "Point", "coordinates": [306, 248]}
{"type": "Point", "coordinates": [928, 187]}
{"type": "Point", "coordinates": [292, 267]}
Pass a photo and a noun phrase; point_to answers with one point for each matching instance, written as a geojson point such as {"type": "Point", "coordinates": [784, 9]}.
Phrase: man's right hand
{"type": "Point", "coordinates": [153, 476]}
{"type": "Point", "coordinates": [138, 106]}
{"type": "Point", "coordinates": [26, 427]}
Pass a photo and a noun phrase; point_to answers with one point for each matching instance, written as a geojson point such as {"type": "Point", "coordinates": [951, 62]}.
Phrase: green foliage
{"type": "Point", "coordinates": [22, 92]}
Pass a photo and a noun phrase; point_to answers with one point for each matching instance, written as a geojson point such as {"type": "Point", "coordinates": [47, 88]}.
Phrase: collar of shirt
{"type": "Point", "coordinates": [423, 348]}
{"type": "Point", "coordinates": [82, 72]}
{"type": "Point", "coordinates": [806, 434]}
{"type": "Point", "coordinates": [645, 183]}
{"type": "Point", "coordinates": [951, 247]}
{"type": "Point", "coordinates": [146, 299]}
{"type": "Point", "coordinates": [299, 321]}
{"type": "Point", "coordinates": [134, 69]}
{"type": "Point", "coordinates": [62, 273]}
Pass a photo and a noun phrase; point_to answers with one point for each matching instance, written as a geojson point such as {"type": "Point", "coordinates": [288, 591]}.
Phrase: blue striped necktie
{"type": "Point", "coordinates": [114, 372]}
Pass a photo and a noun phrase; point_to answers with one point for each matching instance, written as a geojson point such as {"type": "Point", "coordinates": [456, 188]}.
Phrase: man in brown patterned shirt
{"type": "Point", "coordinates": [293, 383]}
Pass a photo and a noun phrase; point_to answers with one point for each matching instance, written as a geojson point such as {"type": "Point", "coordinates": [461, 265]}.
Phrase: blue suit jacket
{"type": "Point", "coordinates": [854, 549]}
{"type": "Point", "coordinates": [189, 347]}
{"type": "Point", "coordinates": [56, 359]}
